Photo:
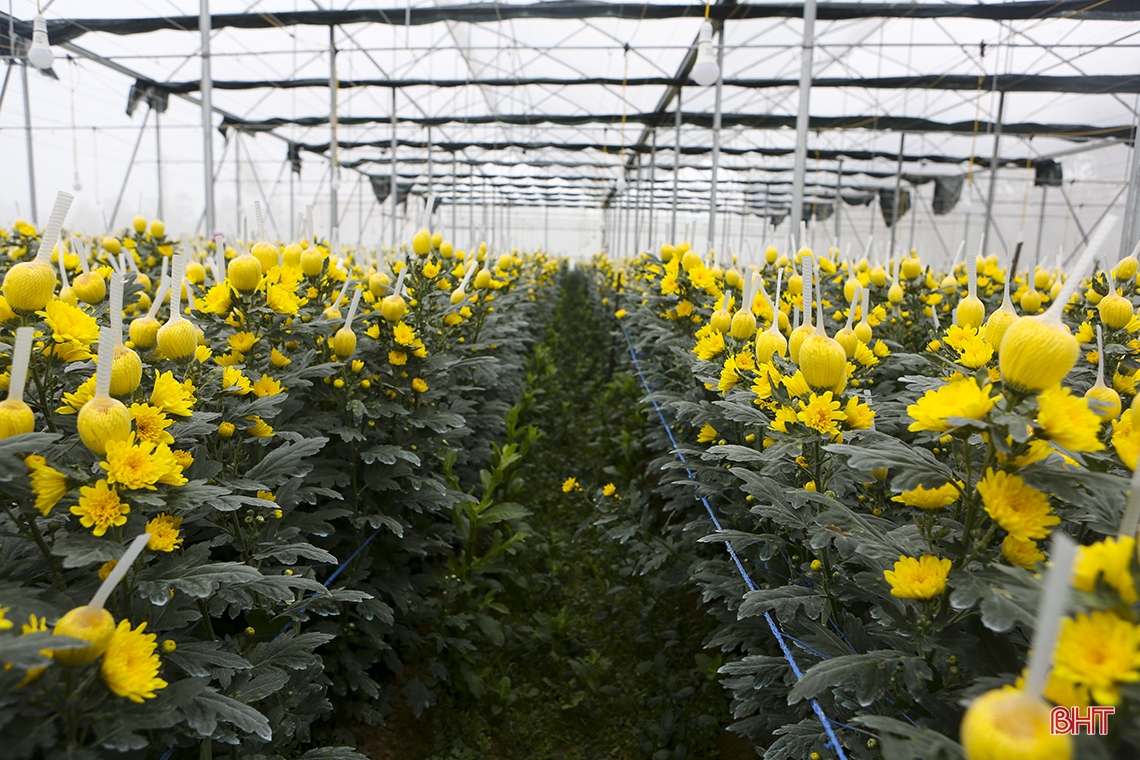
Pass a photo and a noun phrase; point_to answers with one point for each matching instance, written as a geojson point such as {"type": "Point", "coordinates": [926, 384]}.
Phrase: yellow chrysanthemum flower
{"type": "Point", "coordinates": [710, 345]}
{"type": "Point", "coordinates": [73, 402]}
{"type": "Point", "coordinates": [173, 397]}
{"type": "Point", "coordinates": [1099, 651]}
{"type": "Point", "coordinates": [419, 385]}
{"type": "Point", "coordinates": [260, 428]}
{"type": "Point", "coordinates": [929, 498]}
{"type": "Point", "coordinates": [235, 382]}
{"type": "Point", "coordinates": [48, 484]}
{"type": "Point", "coordinates": [708, 433]}
{"type": "Point", "coordinates": [1003, 724]}
{"type": "Point", "coordinates": [784, 416]}
{"type": "Point", "coordinates": [570, 484]}
{"type": "Point", "coordinates": [922, 578]}
{"type": "Point", "coordinates": [1126, 439]}
{"type": "Point", "coordinates": [141, 465]}
{"type": "Point", "coordinates": [278, 359]}
{"type": "Point", "coordinates": [796, 385]}
{"type": "Point", "coordinates": [164, 533]}
{"type": "Point", "coordinates": [130, 664]}
{"type": "Point", "coordinates": [962, 397]}
{"type": "Point", "coordinates": [729, 376]}
{"type": "Point", "coordinates": [1067, 420]}
{"type": "Point", "coordinates": [1021, 553]}
{"type": "Point", "coordinates": [821, 413]}
{"type": "Point", "coordinates": [403, 334]}
{"type": "Point", "coordinates": [860, 416]}
{"type": "Point", "coordinates": [100, 508]}
{"type": "Point", "coordinates": [105, 569]}
{"type": "Point", "coordinates": [151, 424]}
{"type": "Point", "coordinates": [72, 329]}
{"type": "Point", "coordinates": [1019, 509]}
{"type": "Point", "coordinates": [397, 358]}
{"type": "Point", "coordinates": [865, 356]}
{"type": "Point", "coordinates": [609, 489]}
{"type": "Point", "coordinates": [1110, 559]}
{"type": "Point", "coordinates": [242, 341]}
{"type": "Point", "coordinates": [267, 386]}
{"type": "Point", "coordinates": [283, 300]}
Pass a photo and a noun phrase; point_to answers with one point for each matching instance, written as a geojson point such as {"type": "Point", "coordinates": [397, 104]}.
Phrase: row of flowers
{"type": "Point", "coordinates": [248, 417]}
{"type": "Point", "coordinates": [892, 447]}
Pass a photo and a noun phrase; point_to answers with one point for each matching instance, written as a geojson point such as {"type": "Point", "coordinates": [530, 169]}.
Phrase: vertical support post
{"type": "Point", "coordinates": [635, 197]}
{"type": "Point", "coordinates": [334, 163]}
{"type": "Point", "coordinates": [430, 176]}
{"type": "Point", "coordinates": [454, 196]}
{"type": "Point", "coordinates": [237, 183]}
{"type": "Point", "coordinates": [995, 161]}
{"type": "Point", "coordinates": [896, 209]}
{"type": "Point", "coordinates": [546, 226]}
{"type": "Point", "coordinates": [913, 218]}
{"type": "Point", "coordinates": [1130, 232]}
{"type": "Point", "coordinates": [471, 241]}
{"type": "Point", "coordinates": [652, 188]}
{"type": "Point", "coordinates": [676, 170]}
{"type": "Point", "coordinates": [392, 166]}
{"type": "Point", "coordinates": [158, 162]}
{"type": "Point", "coordinates": [807, 48]}
{"type": "Point", "coordinates": [28, 136]}
{"type": "Point", "coordinates": [207, 87]}
{"type": "Point", "coordinates": [743, 218]}
{"type": "Point", "coordinates": [293, 231]}
{"type": "Point", "coordinates": [838, 200]}
{"type": "Point", "coordinates": [716, 138]}
{"type": "Point", "coordinates": [1041, 227]}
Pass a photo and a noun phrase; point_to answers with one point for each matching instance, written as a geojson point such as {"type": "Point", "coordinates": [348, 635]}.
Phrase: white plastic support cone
{"type": "Point", "coordinates": [55, 224]}
{"type": "Point", "coordinates": [129, 556]}
{"type": "Point", "coordinates": [63, 270]}
{"type": "Point", "coordinates": [260, 222]}
{"type": "Point", "coordinates": [352, 309]}
{"type": "Point", "coordinates": [106, 362]}
{"type": "Point", "coordinates": [159, 296]}
{"type": "Point", "coordinates": [1054, 600]}
{"type": "Point", "coordinates": [179, 270]}
{"type": "Point", "coordinates": [115, 307]}
{"type": "Point", "coordinates": [21, 355]}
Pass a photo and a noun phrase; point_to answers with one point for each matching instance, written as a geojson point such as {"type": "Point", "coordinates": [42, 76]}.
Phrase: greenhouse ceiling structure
{"type": "Point", "coordinates": [840, 114]}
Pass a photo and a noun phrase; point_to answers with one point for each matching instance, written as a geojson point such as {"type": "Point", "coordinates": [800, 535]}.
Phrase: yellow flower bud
{"type": "Point", "coordinates": [436, 240]}
{"type": "Point", "coordinates": [244, 273]}
{"type": "Point", "coordinates": [195, 272]}
{"type": "Point", "coordinates": [895, 293]}
{"type": "Point", "coordinates": [421, 243]}
{"type": "Point", "coordinates": [863, 332]}
{"type": "Point", "coordinates": [157, 228]}
{"type": "Point", "coordinates": [1037, 354]}
{"type": "Point", "coordinates": [796, 284]}
{"type": "Point", "coordinates": [93, 624]}
{"type": "Point", "coordinates": [344, 342]}
{"type": "Point", "coordinates": [970, 312]}
{"type": "Point", "coordinates": [1031, 302]}
{"type": "Point", "coordinates": [90, 287]}
{"type": "Point", "coordinates": [667, 253]}
{"type": "Point", "coordinates": [126, 371]}
{"type": "Point", "coordinates": [797, 338]}
{"type": "Point", "coordinates": [446, 250]}
{"type": "Point", "coordinates": [849, 340]}
{"type": "Point", "coordinates": [743, 325]}
{"type": "Point", "coordinates": [458, 296]}
{"type": "Point", "coordinates": [102, 420]}
{"type": "Point", "coordinates": [226, 429]}
{"type": "Point", "coordinates": [1110, 399]}
{"type": "Point", "coordinates": [483, 278]}
{"type": "Point", "coordinates": [824, 363]}
{"type": "Point", "coordinates": [144, 331]}
{"type": "Point", "coordinates": [291, 255]}
{"type": "Point", "coordinates": [878, 277]}
{"type": "Point", "coordinates": [378, 284]}
{"type": "Point", "coordinates": [28, 286]}
{"type": "Point", "coordinates": [768, 343]}
{"type": "Point", "coordinates": [312, 262]}
{"type": "Point", "coordinates": [112, 245]}
{"type": "Point", "coordinates": [1127, 267]}
{"type": "Point", "coordinates": [16, 418]}
{"type": "Point", "coordinates": [732, 278]}
{"type": "Point", "coordinates": [393, 308]}
{"type": "Point", "coordinates": [177, 339]}
{"type": "Point", "coordinates": [139, 223]}
{"type": "Point", "coordinates": [721, 320]}
{"type": "Point", "coordinates": [1004, 723]}
{"type": "Point", "coordinates": [691, 260]}
{"type": "Point", "coordinates": [266, 254]}
{"type": "Point", "coordinates": [1115, 311]}
{"type": "Point", "coordinates": [771, 254]}
{"type": "Point", "coordinates": [911, 268]}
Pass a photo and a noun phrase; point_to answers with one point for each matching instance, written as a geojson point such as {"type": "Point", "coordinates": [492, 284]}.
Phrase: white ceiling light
{"type": "Point", "coordinates": [40, 54]}
{"type": "Point", "coordinates": [705, 71]}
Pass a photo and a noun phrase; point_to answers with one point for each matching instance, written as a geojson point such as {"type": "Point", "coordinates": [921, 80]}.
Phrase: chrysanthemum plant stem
{"type": "Point", "coordinates": [129, 556]}
{"type": "Point", "coordinates": [55, 224]}
{"type": "Point", "coordinates": [1054, 599]}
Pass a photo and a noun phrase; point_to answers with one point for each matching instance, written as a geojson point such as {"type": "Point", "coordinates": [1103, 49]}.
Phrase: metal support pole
{"type": "Point", "coordinates": [652, 188]}
{"type": "Point", "coordinates": [237, 182]}
{"type": "Point", "coordinates": [913, 218]}
{"type": "Point", "coordinates": [207, 88]}
{"type": "Point", "coordinates": [635, 196]}
{"type": "Point", "coordinates": [158, 162]}
{"type": "Point", "coordinates": [716, 139]}
{"type": "Point", "coordinates": [1040, 226]}
{"type": "Point", "coordinates": [454, 205]}
{"type": "Point", "coordinates": [1130, 232]}
{"type": "Point", "coordinates": [896, 209]}
{"type": "Point", "coordinates": [334, 168]}
{"type": "Point", "coordinates": [471, 241]}
{"type": "Point", "coordinates": [743, 219]}
{"type": "Point", "coordinates": [430, 170]}
{"type": "Point", "coordinates": [994, 164]}
{"type": "Point", "coordinates": [802, 120]}
{"type": "Point", "coordinates": [393, 166]}
{"type": "Point", "coordinates": [130, 165]}
{"type": "Point", "coordinates": [676, 171]}
{"type": "Point", "coordinates": [293, 232]}
{"type": "Point", "coordinates": [838, 200]}
{"type": "Point", "coordinates": [546, 226]}
{"type": "Point", "coordinates": [31, 153]}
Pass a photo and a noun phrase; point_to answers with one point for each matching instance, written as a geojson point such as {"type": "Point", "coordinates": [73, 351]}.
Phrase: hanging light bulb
{"type": "Point", "coordinates": [40, 54]}
{"type": "Point", "coordinates": [705, 71]}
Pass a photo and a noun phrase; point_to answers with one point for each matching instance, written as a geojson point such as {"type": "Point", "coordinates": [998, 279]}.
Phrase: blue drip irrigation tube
{"type": "Point", "coordinates": [833, 741]}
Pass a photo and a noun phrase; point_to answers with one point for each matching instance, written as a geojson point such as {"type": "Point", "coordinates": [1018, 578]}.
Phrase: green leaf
{"type": "Point", "coordinates": [902, 741]}
{"type": "Point", "coordinates": [24, 651]}
{"type": "Point", "coordinates": [82, 549]}
{"type": "Point", "coordinates": [388, 454]}
{"type": "Point", "coordinates": [786, 601]}
{"type": "Point", "coordinates": [868, 675]}
{"type": "Point", "coordinates": [14, 449]}
{"type": "Point", "coordinates": [289, 460]}
{"type": "Point", "coordinates": [1003, 605]}
{"type": "Point", "coordinates": [502, 512]}
{"type": "Point", "coordinates": [287, 554]}
{"type": "Point", "coordinates": [210, 707]}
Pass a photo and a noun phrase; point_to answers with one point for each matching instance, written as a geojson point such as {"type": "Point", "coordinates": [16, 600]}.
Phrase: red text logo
{"type": "Point", "coordinates": [1070, 720]}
